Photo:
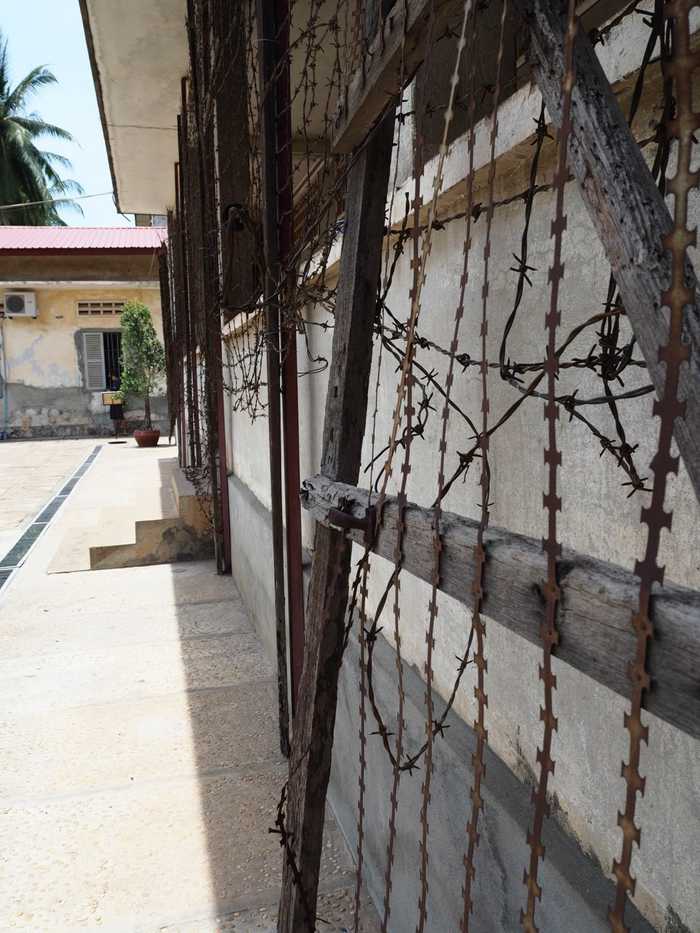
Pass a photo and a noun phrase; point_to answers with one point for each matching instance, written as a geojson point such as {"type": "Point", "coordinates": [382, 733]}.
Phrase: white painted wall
{"type": "Point", "coordinates": [597, 519]}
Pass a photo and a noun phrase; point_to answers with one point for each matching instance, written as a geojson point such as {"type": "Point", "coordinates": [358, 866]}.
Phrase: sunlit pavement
{"type": "Point", "coordinates": [138, 737]}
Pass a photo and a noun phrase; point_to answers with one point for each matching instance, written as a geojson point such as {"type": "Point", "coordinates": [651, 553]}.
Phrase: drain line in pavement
{"type": "Point", "coordinates": [17, 554]}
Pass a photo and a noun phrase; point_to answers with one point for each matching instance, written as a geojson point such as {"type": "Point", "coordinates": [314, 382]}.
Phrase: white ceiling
{"type": "Point", "coordinates": [139, 54]}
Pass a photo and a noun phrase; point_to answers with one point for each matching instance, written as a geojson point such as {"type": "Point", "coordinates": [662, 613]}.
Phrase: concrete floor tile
{"type": "Point", "coordinates": [111, 745]}
{"type": "Point", "coordinates": [77, 678]}
{"type": "Point", "coordinates": [28, 633]}
{"type": "Point", "coordinates": [141, 852]}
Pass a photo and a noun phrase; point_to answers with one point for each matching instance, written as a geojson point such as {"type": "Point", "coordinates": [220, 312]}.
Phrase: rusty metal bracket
{"type": "Point", "coordinates": [342, 519]}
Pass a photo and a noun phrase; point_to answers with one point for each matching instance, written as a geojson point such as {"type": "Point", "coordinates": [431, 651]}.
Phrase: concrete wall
{"type": "Point", "coordinates": [45, 382]}
{"type": "Point", "coordinates": [577, 893]}
{"type": "Point", "coordinates": [597, 518]}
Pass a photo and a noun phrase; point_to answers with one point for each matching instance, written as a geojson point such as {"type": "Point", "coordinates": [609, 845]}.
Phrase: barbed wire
{"type": "Point", "coordinates": [221, 242]}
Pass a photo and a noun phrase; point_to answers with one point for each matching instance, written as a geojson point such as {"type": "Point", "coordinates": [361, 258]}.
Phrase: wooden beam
{"type": "Point", "coordinates": [624, 204]}
{"type": "Point", "coordinates": [344, 426]}
{"type": "Point", "coordinates": [597, 598]}
{"type": "Point", "coordinates": [378, 82]}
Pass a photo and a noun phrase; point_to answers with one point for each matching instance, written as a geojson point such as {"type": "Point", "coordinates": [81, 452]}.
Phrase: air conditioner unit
{"type": "Point", "coordinates": [20, 304]}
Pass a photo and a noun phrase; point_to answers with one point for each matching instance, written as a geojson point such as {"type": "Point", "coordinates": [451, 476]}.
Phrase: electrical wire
{"type": "Point", "coordinates": [80, 197]}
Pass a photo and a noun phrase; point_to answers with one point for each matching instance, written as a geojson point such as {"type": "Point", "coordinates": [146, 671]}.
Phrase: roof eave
{"type": "Point", "coordinates": [80, 251]}
{"type": "Point", "coordinates": [100, 98]}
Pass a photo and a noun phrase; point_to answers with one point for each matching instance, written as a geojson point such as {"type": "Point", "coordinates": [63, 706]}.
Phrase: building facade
{"type": "Point", "coordinates": [62, 291]}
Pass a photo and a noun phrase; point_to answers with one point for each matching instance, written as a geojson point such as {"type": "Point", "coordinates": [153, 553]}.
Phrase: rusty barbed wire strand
{"type": "Point", "coordinates": [681, 125]}
{"type": "Point", "coordinates": [551, 499]}
{"type": "Point", "coordinates": [366, 634]}
{"type": "Point", "coordinates": [400, 722]}
{"type": "Point", "coordinates": [478, 625]}
{"type": "Point", "coordinates": [433, 608]}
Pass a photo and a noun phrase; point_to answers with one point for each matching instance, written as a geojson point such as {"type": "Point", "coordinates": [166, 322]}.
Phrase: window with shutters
{"type": "Point", "coordinates": [102, 354]}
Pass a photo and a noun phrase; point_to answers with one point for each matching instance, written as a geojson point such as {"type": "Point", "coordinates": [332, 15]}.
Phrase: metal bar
{"type": "Point", "coordinates": [190, 381]}
{"type": "Point", "coordinates": [290, 391]}
{"type": "Point", "coordinates": [267, 61]}
{"type": "Point", "coordinates": [211, 321]}
{"type": "Point", "coordinates": [189, 263]}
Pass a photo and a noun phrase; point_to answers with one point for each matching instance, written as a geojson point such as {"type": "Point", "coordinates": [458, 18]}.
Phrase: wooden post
{"type": "Point", "coordinates": [395, 53]}
{"type": "Point", "coordinates": [624, 204]}
{"type": "Point", "coordinates": [346, 409]}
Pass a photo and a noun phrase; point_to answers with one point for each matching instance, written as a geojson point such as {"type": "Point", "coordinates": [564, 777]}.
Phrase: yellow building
{"type": "Point", "coordinates": [62, 290]}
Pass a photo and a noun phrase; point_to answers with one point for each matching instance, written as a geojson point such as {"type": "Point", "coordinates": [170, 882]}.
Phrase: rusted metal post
{"type": "Point", "coordinates": [267, 62]}
{"type": "Point", "coordinates": [189, 376]}
{"type": "Point", "coordinates": [290, 393]}
{"type": "Point", "coordinates": [204, 210]}
{"type": "Point", "coordinates": [187, 220]}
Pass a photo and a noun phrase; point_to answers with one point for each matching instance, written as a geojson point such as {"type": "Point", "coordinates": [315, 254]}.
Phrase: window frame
{"type": "Point", "coordinates": [90, 359]}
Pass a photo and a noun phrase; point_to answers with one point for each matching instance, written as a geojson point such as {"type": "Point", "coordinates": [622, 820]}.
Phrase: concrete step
{"type": "Point", "coordinates": [194, 509]}
{"type": "Point", "coordinates": [157, 541]}
{"type": "Point", "coordinates": [179, 531]}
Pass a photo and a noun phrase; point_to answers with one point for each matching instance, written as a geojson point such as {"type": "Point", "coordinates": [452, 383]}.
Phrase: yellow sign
{"type": "Point", "coordinates": [111, 398]}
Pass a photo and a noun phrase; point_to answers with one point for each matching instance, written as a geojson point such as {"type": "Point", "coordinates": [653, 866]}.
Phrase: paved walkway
{"type": "Point", "coordinates": [138, 739]}
{"type": "Point", "coordinates": [30, 472]}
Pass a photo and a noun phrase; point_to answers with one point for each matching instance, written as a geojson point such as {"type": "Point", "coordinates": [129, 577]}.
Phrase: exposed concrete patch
{"type": "Point", "coordinates": [674, 924]}
{"type": "Point", "coordinates": [69, 411]}
{"type": "Point", "coordinates": [251, 547]}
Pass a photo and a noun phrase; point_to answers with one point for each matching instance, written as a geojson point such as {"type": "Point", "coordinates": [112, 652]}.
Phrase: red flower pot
{"type": "Point", "coordinates": [147, 437]}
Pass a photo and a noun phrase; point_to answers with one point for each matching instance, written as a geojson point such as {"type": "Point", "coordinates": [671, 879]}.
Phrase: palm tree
{"type": "Point", "coordinates": [27, 173]}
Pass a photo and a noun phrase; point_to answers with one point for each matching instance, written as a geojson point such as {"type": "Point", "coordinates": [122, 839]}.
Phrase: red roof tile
{"type": "Point", "coordinates": [88, 238]}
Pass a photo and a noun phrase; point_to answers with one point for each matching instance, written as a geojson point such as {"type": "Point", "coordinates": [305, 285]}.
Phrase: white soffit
{"type": "Point", "coordinates": [138, 50]}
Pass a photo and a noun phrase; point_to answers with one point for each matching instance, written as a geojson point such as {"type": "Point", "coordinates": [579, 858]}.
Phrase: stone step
{"type": "Point", "coordinates": [157, 541]}
{"type": "Point", "coordinates": [179, 531]}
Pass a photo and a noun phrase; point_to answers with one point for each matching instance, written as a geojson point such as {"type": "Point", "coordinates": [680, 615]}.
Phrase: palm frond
{"type": "Point", "coordinates": [38, 127]}
{"type": "Point", "coordinates": [37, 78]}
{"type": "Point", "coordinates": [29, 174]}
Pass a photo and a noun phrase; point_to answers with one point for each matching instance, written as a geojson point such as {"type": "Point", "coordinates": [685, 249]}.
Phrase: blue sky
{"type": "Point", "coordinates": [50, 32]}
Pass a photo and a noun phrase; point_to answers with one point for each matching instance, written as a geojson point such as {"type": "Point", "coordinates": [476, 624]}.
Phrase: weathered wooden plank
{"type": "Point", "coordinates": [346, 409]}
{"type": "Point", "coordinates": [597, 598]}
{"type": "Point", "coordinates": [624, 204]}
{"type": "Point", "coordinates": [390, 59]}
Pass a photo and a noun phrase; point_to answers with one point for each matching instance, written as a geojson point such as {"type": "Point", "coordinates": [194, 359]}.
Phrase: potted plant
{"type": "Point", "coordinates": [142, 364]}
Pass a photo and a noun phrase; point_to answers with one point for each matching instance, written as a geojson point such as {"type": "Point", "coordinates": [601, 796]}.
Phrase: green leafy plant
{"type": "Point", "coordinates": [143, 356]}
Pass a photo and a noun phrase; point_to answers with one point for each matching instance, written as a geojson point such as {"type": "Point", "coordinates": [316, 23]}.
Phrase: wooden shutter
{"type": "Point", "coordinates": [94, 361]}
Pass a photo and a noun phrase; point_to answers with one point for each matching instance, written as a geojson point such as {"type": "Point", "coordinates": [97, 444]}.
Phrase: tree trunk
{"type": "Point", "coordinates": [147, 413]}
